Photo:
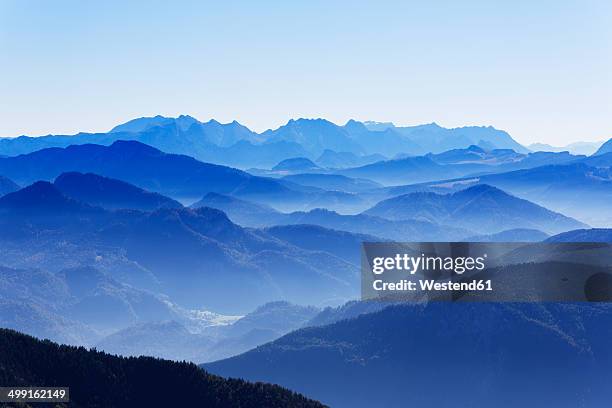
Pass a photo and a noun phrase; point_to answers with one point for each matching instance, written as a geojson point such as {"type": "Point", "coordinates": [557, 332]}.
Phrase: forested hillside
{"type": "Point", "coordinates": [97, 379]}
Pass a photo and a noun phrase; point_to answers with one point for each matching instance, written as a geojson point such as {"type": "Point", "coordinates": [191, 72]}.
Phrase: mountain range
{"type": "Point", "coordinates": [235, 145]}
{"type": "Point", "coordinates": [339, 160]}
{"type": "Point", "coordinates": [137, 164]}
{"type": "Point", "coordinates": [470, 161]}
{"type": "Point", "coordinates": [134, 242]}
{"type": "Point", "coordinates": [405, 355]}
{"type": "Point", "coordinates": [581, 189]}
{"type": "Point", "coordinates": [512, 235]}
{"type": "Point", "coordinates": [110, 193]}
{"type": "Point", "coordinates": [177, 176]}
{"type": "Point", "coordinates": [191, 253]}
{"type": "Point", "coordinates": [250, 214]}
{"type": "Point", "coordinates": [85, 306]}
{"type": "Point", "coordinates": [333, 182]}
{"type": "Point", "coordinates": [76, 305]}
{"type": "Point", "coordinates": [481, 208]}
{"type": "Point", "coordinates": [173, 339]}
{"type": "Point", "coordinates": [584, 235]}
{"type": "Point", "coordinates": [586, 148]}
{"type": "Point", "coordinates": [433, 138]}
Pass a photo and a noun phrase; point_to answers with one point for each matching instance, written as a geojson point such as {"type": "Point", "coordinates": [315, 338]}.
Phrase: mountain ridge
{"type": "Point", "coordinates": [401, 349]}
{"type": "Point", "coordinates": [235, 145]}
{"type": "Point", "coordinates": [99, 379]}
{"type": "Point", "coordinates": [481, 207]}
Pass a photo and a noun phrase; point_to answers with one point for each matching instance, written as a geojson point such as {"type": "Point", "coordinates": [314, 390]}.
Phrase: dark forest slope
{"type": "Point", "coordinates": [98, 379]}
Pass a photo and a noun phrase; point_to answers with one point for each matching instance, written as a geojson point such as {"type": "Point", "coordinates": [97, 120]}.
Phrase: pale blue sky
{"type": "Point", "coordinates": [539, 69]}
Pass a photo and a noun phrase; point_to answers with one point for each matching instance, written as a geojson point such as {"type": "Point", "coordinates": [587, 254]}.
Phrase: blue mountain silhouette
{"type": "Point", "coordinates": [471, 161]}
{"type": "Point", "coordinates": [7, 186]}
{"type": "Point", "coordinates": [332, 159]}
{"type": "Point", "coordinates": [110, 193]}
{"type": "Point", "coordinates": [138, 164]}
{"type": "Point", "coordinates": [581, 188]}
{"type": "Point", "coordinates": [605, 148]}
{"type": "Point", "coordinates": [235, 145]}
{"type": "Point", "coordinates": [584, 235]}
{"type": "Point", "coordinates": [315, 136]}
{"type": "Point", "coordinates": [173, 175]}
{"type": "Point", "coordinates": [295, 164]}
{"type": "Point", "coordinates": [193, 253]}
{"type": "Point", "coordinates": [42, 199]}
{"type": "Point", "coordinates": [512, 235]}
{"type": "Point", "coordinates": [332, 182]}
{"type": "Point", "coordinates": [401, 171]}
{"type": "Point", "coordinates": [435, 138]}
{"type": "Point", "coordinates": [411, 352]}
{"type": "Point", "coordinates": [250, 214]}
{"type": "Point", "coordinates": [480, 208]}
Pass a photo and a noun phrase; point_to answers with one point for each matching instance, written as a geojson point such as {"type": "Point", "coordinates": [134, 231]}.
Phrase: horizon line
{"type": "Point", "coordinates": [292, 119]}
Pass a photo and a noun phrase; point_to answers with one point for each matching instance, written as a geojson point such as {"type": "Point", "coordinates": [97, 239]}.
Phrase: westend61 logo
{"type": "Point", "coordinates": [496, 272]}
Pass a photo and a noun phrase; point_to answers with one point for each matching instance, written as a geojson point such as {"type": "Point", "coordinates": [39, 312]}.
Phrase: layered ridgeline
{"type": "Point", "coordinates": [110, 193]}
{"type": "Point", "coordinates": [587, 148]}
{"type": "Point", "coordinates": [234, 144]}
{"type": "Point", "coordinates": [471, 161]}
{"type": "Point", "coordinates": [584, 235]}
{"type": "Point", "coordinates": [75, 305]}
{"type": "Point", "coordinates": [86, 306]}
{"type": "Point", "coordinates": [501, 355]}
{"type": "Point", "coordinates": [405, 168]}
{"type": "Point", "coordinates": [481, 208]}
{"type": "Point", "coordinates": [191, 253]}
{"type": "Point", "coordinates": [581, 188]}
{"type": "Point", "coordinates": [7, 186]}
{"type": "Point", "coordinates": [178, 176]}
{"type": "Point", "coordinates": [97, 379]}
{"type": "Point", "coordinates": [418, 216]}
{"type": "Point", "coordinates": [251, 214]}
{"type": "Point", "coordinates": [175, 340]}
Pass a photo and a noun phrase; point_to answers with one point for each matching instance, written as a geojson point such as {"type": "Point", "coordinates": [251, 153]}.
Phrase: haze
{"type": "Point", "coordinates": [539, 70]}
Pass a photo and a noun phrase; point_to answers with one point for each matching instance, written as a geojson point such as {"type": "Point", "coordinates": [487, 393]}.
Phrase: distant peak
{"type": "Point", "coordinates": [355, 124]}
{"type": "Point", "coordinates": [432, 125]}
{"type": "Point", "coordinates": [40, 186]}
{"type": "Point", "coordinates": [273, 305]}
{"type": "Point", "coordinates": [475, 148]}
{"type": "Point", "coordinates": [378, 126]}
{"type": "Point", "coordinates": [41, 197]}
{"type": "Point", "coordinates": [312, 120]}
{"type": "Point", "coordinates": [604, 148]}
{"type": "Point", "coordinates": [481, 188]}
{"type": "Point", "coordinates": [321, 211]}
{"type": "Point", "coordinates": [133, 145]}
{"type": "Point", "coordinates": [145, 123]}
{"type": "Point", "coordinates": [296, 163]}
{"type": "Point", "coordinates": [218, 198]}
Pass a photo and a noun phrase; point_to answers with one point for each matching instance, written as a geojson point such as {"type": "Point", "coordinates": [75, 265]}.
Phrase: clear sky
{"type": "Point", "coordinates": [542, 70]}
